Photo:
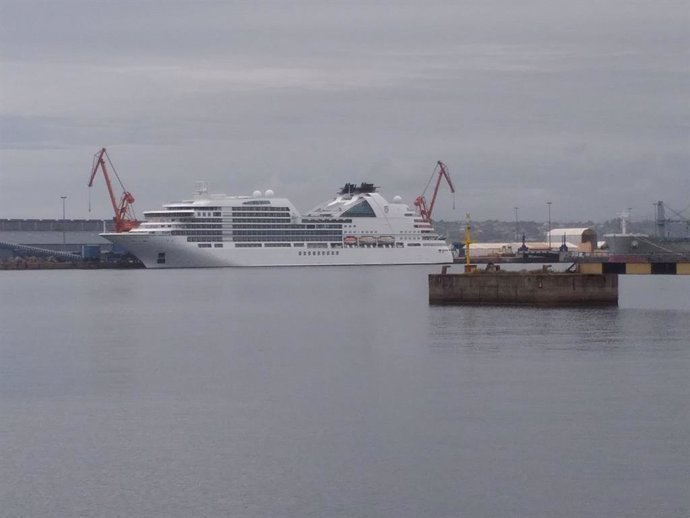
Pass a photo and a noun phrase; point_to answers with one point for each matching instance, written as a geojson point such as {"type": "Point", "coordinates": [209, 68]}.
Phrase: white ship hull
{"type": "Point", "coordinates": [181, 254]}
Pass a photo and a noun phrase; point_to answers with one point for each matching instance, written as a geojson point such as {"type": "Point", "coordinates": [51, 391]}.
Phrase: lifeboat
{"type": "Point", "coordinates": [386, 240]}
{"type": "Point", "coordinates": [350, 240]}
{"type": "Point", "coordinates": [367, 240]}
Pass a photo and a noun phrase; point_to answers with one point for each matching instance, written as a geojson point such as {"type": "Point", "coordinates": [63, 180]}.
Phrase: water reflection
{"type": "Point", "coordinates": [538, 329]}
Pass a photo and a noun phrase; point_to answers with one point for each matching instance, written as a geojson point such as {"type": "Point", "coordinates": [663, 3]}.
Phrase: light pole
{"type": "Point", "coordinates": [517, 227]}
{"type": "Point", "coordinates": [549, 204]}
{"type": "Point", "coordinates": [64, 241]}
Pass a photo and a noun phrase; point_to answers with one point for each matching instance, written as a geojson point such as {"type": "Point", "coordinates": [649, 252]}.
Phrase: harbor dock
{"type": "Point", "coordinates": [523, 288]}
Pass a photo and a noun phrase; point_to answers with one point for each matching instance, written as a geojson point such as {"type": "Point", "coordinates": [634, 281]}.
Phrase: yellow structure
{"type": "Point", "coordinates": [590, 268]}
{"type": "Point", "coordinates": [683, 269]}
{"type": "Point", "coordinates": [638, 268]}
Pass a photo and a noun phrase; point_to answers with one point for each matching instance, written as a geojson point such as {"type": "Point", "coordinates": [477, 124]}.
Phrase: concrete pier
{"type": "Point", "coordinates": [541, 288]}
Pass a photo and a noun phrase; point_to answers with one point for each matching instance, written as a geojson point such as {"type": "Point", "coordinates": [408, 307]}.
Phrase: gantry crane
{"type": "Point", "coordinates": [661, 220]}
{"type": "Point", "coordinates": [442, 171]}
{"type": "Point", "coordinates": [124, 213]}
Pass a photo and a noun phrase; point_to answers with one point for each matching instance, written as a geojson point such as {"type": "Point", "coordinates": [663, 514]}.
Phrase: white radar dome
{"type": "Point", "coordinates": [269, 193]}
{"type": "Point", "coordinates": [256, 194]}
{"type": "Point", "coordinates": [397, 199]}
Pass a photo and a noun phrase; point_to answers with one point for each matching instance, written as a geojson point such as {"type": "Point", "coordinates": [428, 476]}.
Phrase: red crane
{"type": "Point", "coordinates": [124, 213]}
{"type": "Point", "coordinates": [420, 202]}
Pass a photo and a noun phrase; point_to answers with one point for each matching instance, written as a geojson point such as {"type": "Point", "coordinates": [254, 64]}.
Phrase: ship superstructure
{"type": "Point", "coordinates": [357, 227]}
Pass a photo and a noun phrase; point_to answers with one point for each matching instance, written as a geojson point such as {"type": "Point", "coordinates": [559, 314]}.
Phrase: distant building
{"type": "Point", "coordinates": [576, 239]}
{"type": "Point", "coordinates": [54, 234]}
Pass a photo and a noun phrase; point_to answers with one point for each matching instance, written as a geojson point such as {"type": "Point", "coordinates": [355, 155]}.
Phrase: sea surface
{"type": "Point", "coordinates": [336, 392]}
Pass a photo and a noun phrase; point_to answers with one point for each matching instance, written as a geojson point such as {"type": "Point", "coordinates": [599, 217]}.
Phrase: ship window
{"type": "Point", "coordinates": [361, 210]}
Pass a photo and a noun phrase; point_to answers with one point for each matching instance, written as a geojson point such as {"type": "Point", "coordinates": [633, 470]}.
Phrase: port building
{"type": "Point", "coordinates": [576, 239]}
{"type": "Point", "coordinates": [69, 235]}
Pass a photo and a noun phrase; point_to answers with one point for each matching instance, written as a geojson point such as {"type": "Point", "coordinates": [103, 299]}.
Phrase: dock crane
{"type": "Point", "coordinates": [124, 213]}
{"type": "Point", "coordinates": [442, 171]}
{"type": "Point", "coordinates": [661, 220]}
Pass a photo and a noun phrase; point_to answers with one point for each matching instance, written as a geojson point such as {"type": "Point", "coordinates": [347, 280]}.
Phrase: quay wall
{"type": "Point", "coordinates": [524, 289]}
{"type": "Point", "coordinates": [636, 268]}
{"type": "Point", "coordinates": [34, 263]}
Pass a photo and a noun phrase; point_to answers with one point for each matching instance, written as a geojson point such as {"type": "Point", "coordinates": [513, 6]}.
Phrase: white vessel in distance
{"type": "Point", "coordinates": [357, 227]}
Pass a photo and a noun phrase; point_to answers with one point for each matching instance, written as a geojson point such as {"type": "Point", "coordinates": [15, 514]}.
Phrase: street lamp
{"type": "Point", "coordinates": [549, 204]}
{"type": "Point", "coordinates": [517, 227]}
{"type": "Point", "coordinates": [64, 241]}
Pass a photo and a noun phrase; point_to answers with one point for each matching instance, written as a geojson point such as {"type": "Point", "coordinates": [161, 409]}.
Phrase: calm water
{"type": "Point", "coordinates": [336, 392]}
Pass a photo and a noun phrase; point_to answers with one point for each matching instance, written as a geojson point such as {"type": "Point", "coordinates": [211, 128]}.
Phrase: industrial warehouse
{"type": "Point", "coordinates": [41, 241]}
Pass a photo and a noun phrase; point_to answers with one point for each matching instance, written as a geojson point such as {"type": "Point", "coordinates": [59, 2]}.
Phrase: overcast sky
{"type": "Point", "coordinates": [583, 103]}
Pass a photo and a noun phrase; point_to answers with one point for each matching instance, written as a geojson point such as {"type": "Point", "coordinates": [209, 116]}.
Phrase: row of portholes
{"type": "Point", "coordinates": [320, 252]}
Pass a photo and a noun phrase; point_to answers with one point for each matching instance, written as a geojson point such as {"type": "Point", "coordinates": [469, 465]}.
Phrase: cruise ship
{"type": "Point", "coordinates": [357, 227]}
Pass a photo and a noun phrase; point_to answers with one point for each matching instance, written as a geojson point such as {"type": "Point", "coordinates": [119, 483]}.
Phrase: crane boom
{"type": "Point", "coordinates": [442, 171]}
{"type": "Point", "coordinates": [124, 214]}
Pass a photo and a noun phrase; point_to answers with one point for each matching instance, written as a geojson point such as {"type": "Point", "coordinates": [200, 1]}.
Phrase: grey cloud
{"type": "Point", "coordinates": [581, 103]}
